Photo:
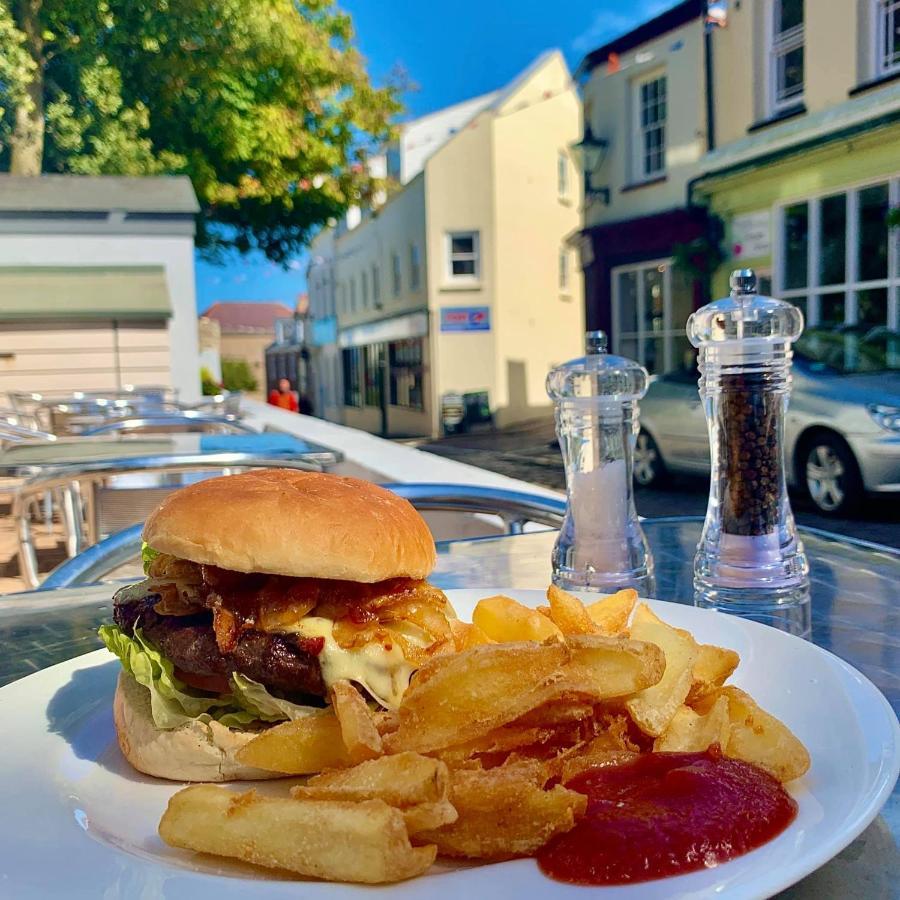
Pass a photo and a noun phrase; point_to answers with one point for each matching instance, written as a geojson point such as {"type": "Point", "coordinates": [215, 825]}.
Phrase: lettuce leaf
{"type": "Point", "coordinates": [255, 697]}
{"type": "Point", "coordinates": [173, 703]}
{"type": "Point", "coordinates": [148, 554]}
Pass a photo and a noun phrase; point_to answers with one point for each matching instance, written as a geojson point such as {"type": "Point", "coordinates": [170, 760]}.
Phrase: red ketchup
{"type": "Point", "coordinates": [666, 814]}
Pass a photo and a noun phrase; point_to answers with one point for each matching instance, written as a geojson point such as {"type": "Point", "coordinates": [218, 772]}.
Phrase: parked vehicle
{"type": "Point", "coordinates": [842, 430]}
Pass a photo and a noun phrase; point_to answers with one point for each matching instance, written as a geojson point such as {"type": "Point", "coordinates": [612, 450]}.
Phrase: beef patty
{"type": "Point", "coordinates": [286, 662]}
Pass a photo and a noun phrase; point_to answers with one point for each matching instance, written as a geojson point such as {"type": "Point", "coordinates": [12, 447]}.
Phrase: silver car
{"type": "Point", "coordinates": [842, 431]}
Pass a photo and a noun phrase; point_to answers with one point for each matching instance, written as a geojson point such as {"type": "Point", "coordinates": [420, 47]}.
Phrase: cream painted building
{"type": "Point", "coordinates": [462, 286]}
{"type": "Point", "coordinates": [646, 131]}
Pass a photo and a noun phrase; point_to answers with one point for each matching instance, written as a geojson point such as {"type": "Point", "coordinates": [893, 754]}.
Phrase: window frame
{"type": "Point", "coordinates": [638, 160]}
{"type": "Point", "coordinates": [564, 275]}
{"type": "Point", "coordinates": [813, 291]}
{"type": "Point", "coordinates": [779, 45]}
{"type": "Point", "coordinates": [475, 256]}
{"type": "Point", "coordinates": [882, 11]}
{"type": "Point", "coordinates": [376, 286]}
{"type": "Point", "coordinates": [351, 371]}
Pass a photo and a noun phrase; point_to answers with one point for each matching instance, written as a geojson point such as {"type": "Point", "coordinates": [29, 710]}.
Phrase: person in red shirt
{"type": "Point", "coordinates": [283, 396]}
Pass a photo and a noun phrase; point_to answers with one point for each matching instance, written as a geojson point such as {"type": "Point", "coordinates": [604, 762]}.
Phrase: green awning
{"type": "Point", "coordinates": [84, 292]}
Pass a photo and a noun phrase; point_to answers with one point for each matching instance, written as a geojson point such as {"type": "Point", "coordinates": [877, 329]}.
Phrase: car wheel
{"type": "Point", "coordinates": [831, 475]}
{"type": "Point", "coordinates": [649, 469]}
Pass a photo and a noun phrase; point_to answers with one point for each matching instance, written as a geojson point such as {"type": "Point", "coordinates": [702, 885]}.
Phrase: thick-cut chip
{"type": "Point", "coordinates": [712, 668]}
{"type": "Point", "coordinates": [557, 712]}
{"type": "Point", "coordinates": [458, 699]}
{"type": "Point", "coordinates": [500, 740]}
{"type": "Point", "coordinates": [653, 708]}
{"type": "Point", "coordinates": [386, 721]}
{"type": "Point", "coordinates": [758, 737]}
{"type": "Point", "coordinates": [610, 614]}
{"type": "Point", "coordinates": [300, 747]}
{"type": "Point", "coordinates": [466, 634]}
{"type": "Point", "coordinates": [569, 613]}
{"type": "Point", "coordinates": [359, 728]}
{"type": "Point", "coordinates": [332, 839]}
{"type": "Point", "coordinates": [504, 812]}
{"type": "Point", "coordinates": [690, 732]}
{"type": "Point", "coordinates": [416, 785]}
{"type": "Point", "coordinates": [644, 615]}
{"type": "Point", "coordinates": [504, 619]}
{"type": "Point", "coordinates": [588, 756]}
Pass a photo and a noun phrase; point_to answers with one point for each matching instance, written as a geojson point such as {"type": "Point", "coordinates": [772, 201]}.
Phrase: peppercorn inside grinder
{"type": "Point", "coordinates": [601, 545]}
{"type": "Point", "coordinates": [749, 560]}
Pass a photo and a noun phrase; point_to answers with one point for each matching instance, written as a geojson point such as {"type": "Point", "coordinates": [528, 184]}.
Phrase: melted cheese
{"type": "Point", "coordinates": [383, 673]}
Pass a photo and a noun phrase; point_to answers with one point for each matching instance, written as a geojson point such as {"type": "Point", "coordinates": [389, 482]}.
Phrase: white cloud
{"type": "Point", "coordinates": [294, 264]}
{"type": "Point", "coordinates": [610, 23]}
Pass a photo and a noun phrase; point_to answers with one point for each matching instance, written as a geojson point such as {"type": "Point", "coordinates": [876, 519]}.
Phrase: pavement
{"type": "Point", "coordinates": [529, 451]}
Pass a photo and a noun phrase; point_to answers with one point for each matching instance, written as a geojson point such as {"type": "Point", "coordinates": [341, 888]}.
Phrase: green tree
{"type": "Point", "coordinates": [266, 105]}
{"type": "Point", "coordinates": [236, 375]}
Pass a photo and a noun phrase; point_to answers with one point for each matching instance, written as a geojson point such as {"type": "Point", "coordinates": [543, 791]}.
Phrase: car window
{"type": "Point", "coordinates": [849, 351]}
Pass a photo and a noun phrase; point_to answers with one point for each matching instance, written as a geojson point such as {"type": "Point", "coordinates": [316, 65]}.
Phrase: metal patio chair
{"type": "Point", "coordinates": [515, 508]}
{"type": "Point", "coordinates": [98, 510]}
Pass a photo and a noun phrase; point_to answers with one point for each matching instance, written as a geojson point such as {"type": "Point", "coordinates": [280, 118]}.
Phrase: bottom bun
{"type": "Point", "coordinates": [198, 751]}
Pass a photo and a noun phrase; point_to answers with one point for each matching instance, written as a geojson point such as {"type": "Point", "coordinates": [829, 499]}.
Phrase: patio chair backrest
{"type": "Point", "coordinates": [516, 508]}
{"type": "Point", "coordinates": [171, 424]}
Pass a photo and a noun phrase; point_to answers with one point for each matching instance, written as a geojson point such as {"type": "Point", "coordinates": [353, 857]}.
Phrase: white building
{"type": "Point", "coordinates": [97, 283]}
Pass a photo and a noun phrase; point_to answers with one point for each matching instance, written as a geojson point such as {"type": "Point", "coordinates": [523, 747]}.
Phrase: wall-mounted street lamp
{"type": "Point", "coordinates": [590, 154]}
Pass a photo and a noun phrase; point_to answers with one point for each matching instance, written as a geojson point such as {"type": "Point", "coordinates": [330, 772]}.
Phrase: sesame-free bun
{"type": "Point", "coordinates": [197, 751]}
{"type": "Point", "coordinates": [291, 522]}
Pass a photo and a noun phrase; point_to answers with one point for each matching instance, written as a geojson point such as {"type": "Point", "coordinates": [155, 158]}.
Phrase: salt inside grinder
{"type": "Point", "coordinates": [749, 556]}
{"type": "Point", "coordinates": [601, 545]}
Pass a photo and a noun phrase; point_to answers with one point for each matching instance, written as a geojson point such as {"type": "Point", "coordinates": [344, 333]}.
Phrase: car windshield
{"type": "Point", "coordinates": [851, 350]}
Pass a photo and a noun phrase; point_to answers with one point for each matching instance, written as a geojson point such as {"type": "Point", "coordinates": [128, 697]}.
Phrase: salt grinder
{"type": "Point", "coordinates": [749, 559]}
{"type": "Point", "coordinates": [601, 545]}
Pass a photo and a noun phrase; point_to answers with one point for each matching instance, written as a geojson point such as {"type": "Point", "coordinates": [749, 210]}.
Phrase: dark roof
{"type": "Point", "coordinates": [236, 316]}
{"type": "Point", "coordinates": [97, 193]}
{"type": "Point", "coordinates": [648, 31]}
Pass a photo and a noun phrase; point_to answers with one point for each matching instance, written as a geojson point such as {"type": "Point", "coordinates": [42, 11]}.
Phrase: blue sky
{"type": "Point", "coordinates": [451, 52]}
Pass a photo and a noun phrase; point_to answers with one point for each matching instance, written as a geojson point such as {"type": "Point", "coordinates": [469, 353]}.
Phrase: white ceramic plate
{"type": "Point", "coordinates": [77, 821]}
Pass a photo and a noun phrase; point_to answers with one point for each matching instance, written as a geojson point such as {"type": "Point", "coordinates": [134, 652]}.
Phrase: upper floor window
{"type": "Point", "coordinates": [786, 54]}
{"type": "Point", "coordinates": [414, 267]}
{"type": "Point", "coordinates": [650, 127]}
{"type": "Point", "coordinates": [395, 273]}
{"type": "Point", "coordinates": [376, 287]}
{"type": "Point", "coordinates": [353, 295]}
{"type": "Point", "coordinates": [463, 262]}
{"type": "Point", "coordinates": [887, 36]}
{"type": "Point", "coordinates": [365, 290]}
{"type": "Point", "coordinates": [562, 174]}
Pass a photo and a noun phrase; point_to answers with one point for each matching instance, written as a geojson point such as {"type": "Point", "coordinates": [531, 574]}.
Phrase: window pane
{"type": "Point", "coordinates": [463, 266]}
{"type": "Point", "coordinates": [833, 247]}
{"type": "Point", "coordinates": [462, 244]}
{"type": "Point", "coordinates": [873, 236]}
{"type": "Point", "coordinates": [871, 306]}
{"type": "Point", "coordinates": [653, 299]}
{"type": "Point", "coordinates": [654, 359]}
{"type": "Point", "coordinates": [682, 299]}
{"type": "Point", "coordinates": [800, 303]}
{"type": "Point", "coordinates": [628, 347]}
{"type": "Point", "coordinates": [790, 74]}
{"type": "Point", "coordinates": [796, 238]}
{"type": "Point", "coordinates": [831, 309]}
{"type": "Point", "coordinates": [790, 15]}
{"type": "Point", "coordinates": [627, 302]}
{"type": "Point", "coordinates": [683, 354]}
{"type": "Point", "coordinates": [892, 36]}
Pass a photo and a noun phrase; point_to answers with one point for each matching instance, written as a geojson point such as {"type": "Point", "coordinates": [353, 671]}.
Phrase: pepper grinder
{"type": "Point", "coordinates": [749, 560]}
{"type": "Point", "coordinates": [601, 545]}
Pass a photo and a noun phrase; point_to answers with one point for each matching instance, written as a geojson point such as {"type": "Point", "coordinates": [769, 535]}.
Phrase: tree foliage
{"type": "Point", "coordinates": [266, 105]}
{"type": "Point", "coordinates": [236, 375]}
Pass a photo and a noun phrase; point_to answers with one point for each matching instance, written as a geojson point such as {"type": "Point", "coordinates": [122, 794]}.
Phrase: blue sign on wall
{"type": "Point", "coordinates": [465, 318]}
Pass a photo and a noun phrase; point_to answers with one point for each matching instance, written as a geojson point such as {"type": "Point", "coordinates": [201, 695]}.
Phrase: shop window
{"type": "Point", "coordinates": [351, 359]}
{"type": "Point", "coordinates": [834, 258]}
{"type": "Point", "coordinates": [372, 374]}
{"type": "Point", "coordinates": [407, 374]}
{"type": "Point", "coordinates": [786, 64]}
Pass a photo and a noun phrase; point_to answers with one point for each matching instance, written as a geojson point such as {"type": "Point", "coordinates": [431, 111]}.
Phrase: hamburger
{"type": "Point", "coordinates": [262, 590]}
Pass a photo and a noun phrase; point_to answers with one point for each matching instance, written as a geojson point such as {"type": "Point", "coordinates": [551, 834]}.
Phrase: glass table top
{"type": "Point", "coordinates": [855, 614]}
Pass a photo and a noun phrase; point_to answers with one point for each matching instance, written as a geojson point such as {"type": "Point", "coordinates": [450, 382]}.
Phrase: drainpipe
{"type": "Point", "coordinates": [708, 85]}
